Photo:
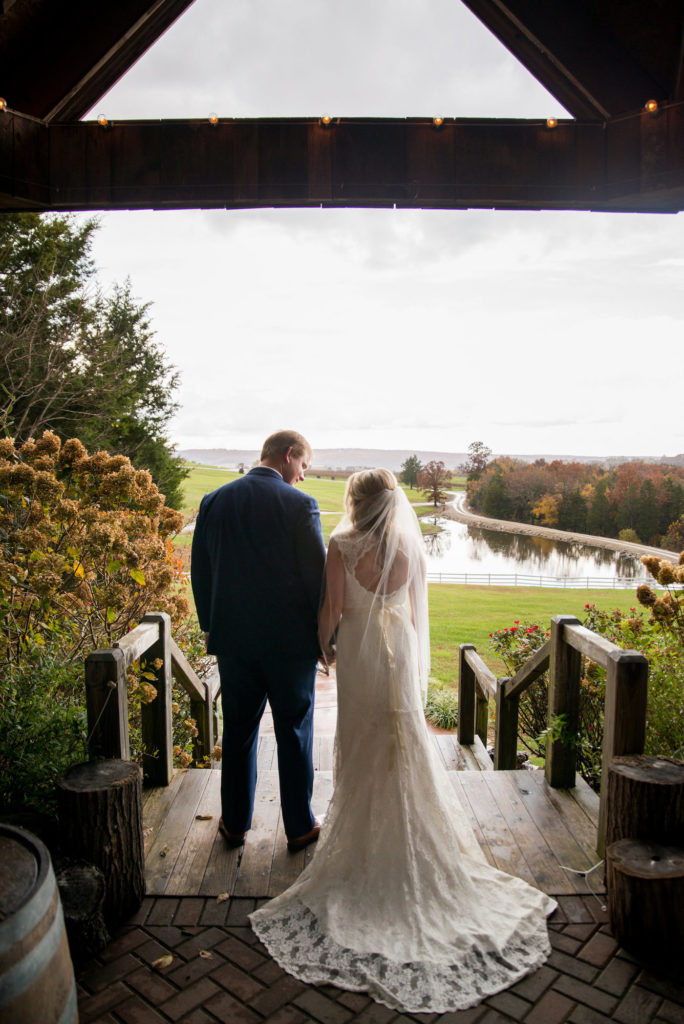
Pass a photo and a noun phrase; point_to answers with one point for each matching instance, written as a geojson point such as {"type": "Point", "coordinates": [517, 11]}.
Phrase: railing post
{"type": "Point", "coordinates": [202, 712]}
{"type": "Point", "coordinates": [107, 705]}
{"type": "Point", "coordinates": [157, 733]}
{"type": "Point", "coordinates": [481, 713]}
{"type": "Point", "coordinates": [466, 697]}
{"type": "Point", "coordinates": [624, 723]}
{"type": "Point", "coordinates": [506, 735]}
{"type": "Point", "coordinates": [564, 691]}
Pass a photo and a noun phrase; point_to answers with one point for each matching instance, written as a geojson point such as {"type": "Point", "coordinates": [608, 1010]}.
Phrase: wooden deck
{"type": "Point", "coordinates": [522, 825]}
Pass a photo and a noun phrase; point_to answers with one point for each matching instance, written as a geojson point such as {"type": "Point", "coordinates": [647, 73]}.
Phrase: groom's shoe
{"type": "Point", "coordinates": [232, 838]}
{"type": "Point", "coordinates": [294, 845]}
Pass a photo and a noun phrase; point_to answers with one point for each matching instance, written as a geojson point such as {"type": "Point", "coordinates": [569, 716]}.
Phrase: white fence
{"type": "Point", "coordinates": [495, 579]}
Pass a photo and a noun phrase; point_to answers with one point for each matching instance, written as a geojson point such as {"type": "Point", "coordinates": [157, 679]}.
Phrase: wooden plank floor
{"type": "Point", "coordinates": [522, 826]}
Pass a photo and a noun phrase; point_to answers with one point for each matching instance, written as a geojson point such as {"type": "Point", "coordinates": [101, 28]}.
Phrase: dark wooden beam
{"type": "Point", "coordinates": [57, 58]}
{"type": "Point", "coordinates": [632, 164]}
{"type": "Point", "coordinates": [573, 54]}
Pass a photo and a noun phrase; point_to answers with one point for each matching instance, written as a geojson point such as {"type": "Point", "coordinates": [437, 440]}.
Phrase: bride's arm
{"type": "Point", "coordinates": [332, 602]}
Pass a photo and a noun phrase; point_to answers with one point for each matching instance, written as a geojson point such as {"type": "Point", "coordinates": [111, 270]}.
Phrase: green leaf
{"type": "Point", "coordinates": [111, 614]}
{"type": "Point", "coordinates": [138, 576]}
{"type": "Point", "coordinates": [113, 565]}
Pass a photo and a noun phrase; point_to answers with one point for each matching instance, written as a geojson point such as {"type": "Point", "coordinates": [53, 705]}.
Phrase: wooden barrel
{"type": "Point", "coordinates": [36, 974]}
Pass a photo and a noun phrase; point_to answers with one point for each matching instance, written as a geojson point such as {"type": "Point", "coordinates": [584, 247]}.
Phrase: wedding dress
{"type": "Point", "coordinates": [398, 900]}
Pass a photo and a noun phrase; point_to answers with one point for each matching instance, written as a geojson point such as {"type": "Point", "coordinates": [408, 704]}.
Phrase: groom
{"type": "Point", "coordinates": [257, 568]}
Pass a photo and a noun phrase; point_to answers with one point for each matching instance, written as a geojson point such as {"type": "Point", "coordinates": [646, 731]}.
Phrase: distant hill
{"type": "Point", "coordinates": [368, 458]}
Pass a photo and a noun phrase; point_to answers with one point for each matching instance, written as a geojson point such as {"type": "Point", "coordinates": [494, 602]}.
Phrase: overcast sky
{"type": "Point", "coordinates": [534, 332]}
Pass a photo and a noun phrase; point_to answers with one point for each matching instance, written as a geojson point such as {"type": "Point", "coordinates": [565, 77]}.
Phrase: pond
{"type": "Point", "coordinates": [513, 558]}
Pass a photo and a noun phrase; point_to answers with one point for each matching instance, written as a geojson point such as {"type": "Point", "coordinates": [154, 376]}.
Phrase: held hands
{"type": "Point", "coordinates": [328, 654]}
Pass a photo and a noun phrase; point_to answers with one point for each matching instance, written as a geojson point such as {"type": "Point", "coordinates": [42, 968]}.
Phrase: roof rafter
{"type": "Point", "coordinates": [58, 59]}
{"type": "Point", "coordinates": [572, 54]}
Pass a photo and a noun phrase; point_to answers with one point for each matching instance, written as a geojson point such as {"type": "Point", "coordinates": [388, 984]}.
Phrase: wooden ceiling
{"type": "Point", "coordinates": [602, 59]}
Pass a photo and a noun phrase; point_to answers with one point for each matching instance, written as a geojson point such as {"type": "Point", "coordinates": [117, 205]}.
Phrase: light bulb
{"type": "Point", "coordinates": [551, 122]}
{"type": "Point", "coordinates": [213, 118]}
{"type": "Point", "coordinates": [651, 106]}
{"type": "Point", "coordinates": [3, 104]}
{"type": "Point", "coordinates": [326, 119]}
{"type": "Point", "coordinates": [102, 121]}
{"type": "Point", "coordinates": [438, 121]}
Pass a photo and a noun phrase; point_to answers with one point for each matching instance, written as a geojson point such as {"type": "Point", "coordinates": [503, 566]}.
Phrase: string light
{"type": "Point", "coordinates": [551, 122]}
{"type": "Point", "coordinates": [213, 118]}
{"type": "Point", "coordinates": [651, 106]}
{"type": "Point", "coordinates": [102, 121]}
{"type": "Point", "coordinates": [326, 120]}
{"type": "Point", "coordinates": [438, 121]}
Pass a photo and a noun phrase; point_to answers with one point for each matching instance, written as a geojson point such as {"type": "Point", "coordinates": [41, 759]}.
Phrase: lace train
{"type": "Point", "coordinates": [297, 943]}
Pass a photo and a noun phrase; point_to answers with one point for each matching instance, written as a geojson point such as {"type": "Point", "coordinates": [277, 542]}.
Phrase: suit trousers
{"type": "Point", "coordinates": [247, 681]}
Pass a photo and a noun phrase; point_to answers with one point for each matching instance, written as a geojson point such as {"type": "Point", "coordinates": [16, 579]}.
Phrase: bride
{"type": "Point", "coordinates": [398, 900]}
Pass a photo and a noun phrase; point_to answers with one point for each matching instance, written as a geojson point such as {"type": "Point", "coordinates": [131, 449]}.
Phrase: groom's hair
{"type": "Point", "coordinates": [278, 443]}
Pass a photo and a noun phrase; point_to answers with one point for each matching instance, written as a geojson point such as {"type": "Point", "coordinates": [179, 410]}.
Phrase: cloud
{"type": "Point", "coordinates": [395, 328]}
{"type": "Point", "coordinates": [392, 58]}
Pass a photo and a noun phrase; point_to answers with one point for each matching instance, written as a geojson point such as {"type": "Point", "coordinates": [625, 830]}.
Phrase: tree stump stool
{"type": "Point", "coordinates": [645, 800]}
{"type": "Point", "coordinates": [82, 891]}
{"type": "Point", "coordinates": [100, 814]}
{"type": "Point", "coordinates": [646, 899]}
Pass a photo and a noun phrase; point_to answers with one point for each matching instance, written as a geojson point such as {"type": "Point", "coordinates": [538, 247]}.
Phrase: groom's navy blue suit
{"type": "Point", "coordinates": [257, 569]}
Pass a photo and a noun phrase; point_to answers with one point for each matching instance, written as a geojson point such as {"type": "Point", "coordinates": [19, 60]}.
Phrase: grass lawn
{"type": "Point", "coordinates": [458, 614]}
{"type": "Point", "coordinates": [202, 480]}
{"type": "Point", "coordinates": [467, 615]}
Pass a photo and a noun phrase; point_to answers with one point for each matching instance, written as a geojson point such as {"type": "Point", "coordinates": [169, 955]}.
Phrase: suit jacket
{"type": "Point", "coordinates": [257, 566]}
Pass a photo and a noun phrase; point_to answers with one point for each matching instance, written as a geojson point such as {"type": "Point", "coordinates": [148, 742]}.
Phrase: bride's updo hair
{"type": "Point", "coordinates": [361, 495]}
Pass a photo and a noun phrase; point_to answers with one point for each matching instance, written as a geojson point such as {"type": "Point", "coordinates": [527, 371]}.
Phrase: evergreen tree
{"type": "Point", "coordinates": [495, 503]}
{"type": "Point", "coordinates": [572, 512]}
{"type": "Point", "coordinates": [628, 507]}
{"type": "Point", "coordinates": [647, 514]}
{"type": "Point", "coordinates": [77, 362]}
{"type": "Point", "coordinates": [599, 516]}
{"type": "Point", "coordinates": [410, 469]}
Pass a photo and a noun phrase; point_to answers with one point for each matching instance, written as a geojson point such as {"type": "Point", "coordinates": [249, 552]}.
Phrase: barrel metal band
{"type": "Point", "coordinates": [27, 970]}
{"type": "Point", "coordinates": [17, 927]}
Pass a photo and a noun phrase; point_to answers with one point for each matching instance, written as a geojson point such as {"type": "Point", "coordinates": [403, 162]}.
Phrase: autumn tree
{"type": "Point", "coordinates": [410, 469]}
{"type": "Point", "coordinates": [433, 479]}
{"type": "Point", "coordinates": [478, 457]}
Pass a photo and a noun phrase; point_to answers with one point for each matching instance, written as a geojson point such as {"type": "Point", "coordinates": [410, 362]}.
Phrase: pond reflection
{"type": "Point", "coordinates": [460, 548]}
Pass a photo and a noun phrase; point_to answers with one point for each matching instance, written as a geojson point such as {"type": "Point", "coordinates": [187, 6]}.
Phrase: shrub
{"type": "Point", "coordinates": [85, 552]}
{"type": "Point", "coordinates": [629, 535]}
{"type": "Point", "coordinates": [42, 729]}
{"type": "Point", "coordinates": [659, 638]}
{"type": "Point", "coordinates": [85, 548]}
{"type": "Point", "coordinates": [441, 707]}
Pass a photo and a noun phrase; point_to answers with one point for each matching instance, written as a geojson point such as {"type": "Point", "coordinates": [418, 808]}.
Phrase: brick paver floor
{"type": "Point", "coordinates": [219, 971]}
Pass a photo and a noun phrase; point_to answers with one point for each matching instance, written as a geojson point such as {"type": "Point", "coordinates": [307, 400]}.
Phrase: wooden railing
{"type": "Point", "coordinates": [624, 727]}
{"type": "Point", "coordinates": [107, 699]}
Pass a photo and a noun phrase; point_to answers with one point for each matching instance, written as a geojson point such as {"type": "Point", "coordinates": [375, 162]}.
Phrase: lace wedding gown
{"type": "Point", "coordinates": [398, 901]}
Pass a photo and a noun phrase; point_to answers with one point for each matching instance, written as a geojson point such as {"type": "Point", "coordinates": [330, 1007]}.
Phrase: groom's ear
{"type": "Point", "coordinates": [288, 454]}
